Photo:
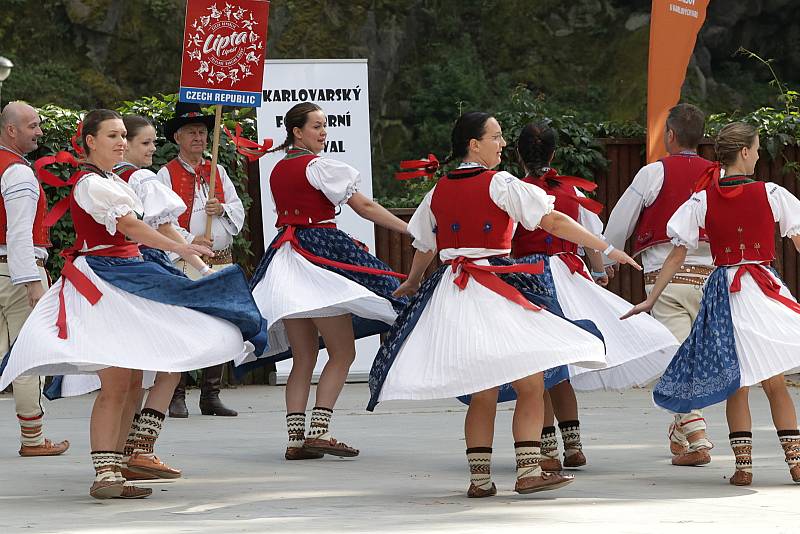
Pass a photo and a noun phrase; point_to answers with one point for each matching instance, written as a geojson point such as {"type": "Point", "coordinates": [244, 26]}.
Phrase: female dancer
{"type": "Point", "coordinates": [636, 353]}
{"type": "Point", "coordinates": [468, 331]}
{"type": "Point", "coordinates": [162, 207]}
{"type": "Point", "coordinates": [115, 311]}
{"type": "Point", "coordinates": [746, 332]}
{"type": "Point", "coordinates": [317, 281]}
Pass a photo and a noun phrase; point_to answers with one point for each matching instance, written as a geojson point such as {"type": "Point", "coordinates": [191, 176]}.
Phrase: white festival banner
{"type": "Point", "coordinates": [340, 88]}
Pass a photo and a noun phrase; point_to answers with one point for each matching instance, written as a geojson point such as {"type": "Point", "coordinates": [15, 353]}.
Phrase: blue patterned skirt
{"type": "Point", "coordinates": [705, 370]}
{"type": "Point", "coordinates": [335, 245]}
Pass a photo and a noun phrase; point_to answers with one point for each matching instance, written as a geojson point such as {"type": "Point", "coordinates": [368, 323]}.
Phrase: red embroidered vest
{"type": "Point", "coordinates": [528, 242]}
{"type": "Point", "coordinates": [184, 184]}
{"type": "Point", "coordinates": [681, 172]}
{"type": "Point", "coordinates": [41, 233]}
{"type": "Point", "coordinates": [125, 170]}
{"type": "Point", "coordinates": [296, 201]}
{"type": "Point", "coordinates": [741, 228]}
{"type": "Point", "coordinates": [87, 230]}
{"type": "Point", "coordinates": [466, 216]}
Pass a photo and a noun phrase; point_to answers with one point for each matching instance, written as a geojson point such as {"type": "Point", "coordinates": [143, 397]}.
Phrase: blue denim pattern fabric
{"type": "Point", "coordinates": [533, 287]}
{"type": "Point", "coordinates": [224, 294]}
{"type": "Point", "coordinates": [705, 370]}
{"type": "Point", "coordinates": [333, 244]}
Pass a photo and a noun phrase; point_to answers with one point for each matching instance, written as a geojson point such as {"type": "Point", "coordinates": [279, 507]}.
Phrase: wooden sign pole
{"type": "Point", "coordinates": [214, 157]}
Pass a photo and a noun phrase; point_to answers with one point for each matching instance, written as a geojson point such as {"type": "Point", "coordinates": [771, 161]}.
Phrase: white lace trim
{"type": "Point", "coordinates": [114, 213]}
{"type": "Point", "coordinates": [351, 190]}
{"type": "Point", "coordinates": [158, 220]}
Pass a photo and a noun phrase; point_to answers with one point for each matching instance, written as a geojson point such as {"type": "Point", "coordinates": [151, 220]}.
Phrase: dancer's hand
{"type": "Point", "coordinates": [619, 256]}
{"type": "Point", "coordinates": [202, 241]}
{"type": "Point", "coordinates": [643, 307]}
{"type": "Point", "coordinates": [407, 288]}
{"type": "Point", "coordinates": [187, 250]}
{"type": "Point", "coordinates": [35, 291]}
{"type": "Point", "coordinates": [601, 280]}
{"type": "Point", "coordinates": [611, 271]}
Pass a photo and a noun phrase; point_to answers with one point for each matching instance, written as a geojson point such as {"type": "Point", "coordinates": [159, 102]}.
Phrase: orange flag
{"type": "Point", "coordinates": [673, 32]}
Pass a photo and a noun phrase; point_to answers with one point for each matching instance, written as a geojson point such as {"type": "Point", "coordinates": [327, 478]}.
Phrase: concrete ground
{"type": "Point", "coordinates": [410, 477]}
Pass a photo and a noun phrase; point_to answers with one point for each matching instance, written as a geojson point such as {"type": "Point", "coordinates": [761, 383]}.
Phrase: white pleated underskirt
{"type": "Point", "coordinates": [75, 385]}
{"type": "Point", "coordinates": [638, 350]}
{"type": "Point", "coordinates": [472, 340]}
{"type": "Point", "coordinates": [766, 332]}
{"type": "Point", "coordinates": [295, 288]}
{"type": "Point", "coordinates": [121, 330]}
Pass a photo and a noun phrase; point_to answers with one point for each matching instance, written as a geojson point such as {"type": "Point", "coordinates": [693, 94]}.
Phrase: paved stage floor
{"type": "Point", "coordinates": [411, 475]}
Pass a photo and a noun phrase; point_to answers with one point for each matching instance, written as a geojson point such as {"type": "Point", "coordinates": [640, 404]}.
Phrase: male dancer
{"type": "Point", "coordinates": [657, 190]}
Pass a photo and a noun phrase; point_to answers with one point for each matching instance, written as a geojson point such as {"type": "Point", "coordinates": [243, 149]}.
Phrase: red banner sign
{"type": "Point", "coordinates": [224, 48]}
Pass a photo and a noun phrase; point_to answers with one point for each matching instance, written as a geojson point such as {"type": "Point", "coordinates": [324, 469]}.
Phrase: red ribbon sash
{"type": "Point", "coordinates": [575, 264]}
{"type": "Point", "coordinates": [82, 283]}
{"type": "Point", "coordinates": [485, 275]}
{"type": "Point", "coordinates": [765, 282]}
{"type": "Point", "coordinates": [288, 236]}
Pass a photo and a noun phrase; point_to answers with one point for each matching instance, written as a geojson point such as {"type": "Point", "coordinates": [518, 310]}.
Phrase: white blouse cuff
{"type": "Point", "coordinates": [165, 218]}
{"type": "Point", "coordinates": [678, 242]}
{"type": "Point", "coordinates": [792, 232]}
{"type": "Point", "coordinates": [112, 215]}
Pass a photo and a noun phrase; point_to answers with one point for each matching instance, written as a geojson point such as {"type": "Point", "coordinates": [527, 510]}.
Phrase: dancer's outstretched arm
{"type": "Point", "coordinates": [671, 266]}
{"type": "Point", "coordinates": [372, 211]}
{"type": "Point", "coordinates": [139, 232]}
{"type": "Point", "coordinates": [566, 227]}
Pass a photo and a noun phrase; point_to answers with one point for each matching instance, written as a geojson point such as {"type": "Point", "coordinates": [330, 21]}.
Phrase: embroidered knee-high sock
{"type": "Point", "coordinates": [150, 424]}
{"type": "Point", "coordinates": [549, 443]}
{"type": "Point", "coordinates": [296, 427]}
{"type": "Point", "coordinates": [742, 445]}
{"type": "Point", "coordinates": [119, 458]}
{"type": "Point", "coordinates": [320, 423]}
{"type": "Point", "coordinates": [105, 465]}
{"type": "Point", "coordinates": [480, 467]}
{"type": "Point", "coordinates": [527, 453]}
{"type": "Point", "coordinates": [130, 442]}
{"type": "Point", "coordinates": [30, 429]}
{"type": "Point", "coordinates": [571, 436]}
{"type": "Point", "coordinates": [790, 441]}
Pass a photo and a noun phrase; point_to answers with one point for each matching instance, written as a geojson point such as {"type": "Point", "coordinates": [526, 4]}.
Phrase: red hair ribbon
{"type": "Point", "coordinates": [74, 141]}
{"type": "Point", "coordinates": [63, 157]}
{"type": "Point", "coordinates": [421, 167]}
{"type": "Point", "coordinates": [581, 183]}
{"type": "Point", "coordinates": [250, 149]}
